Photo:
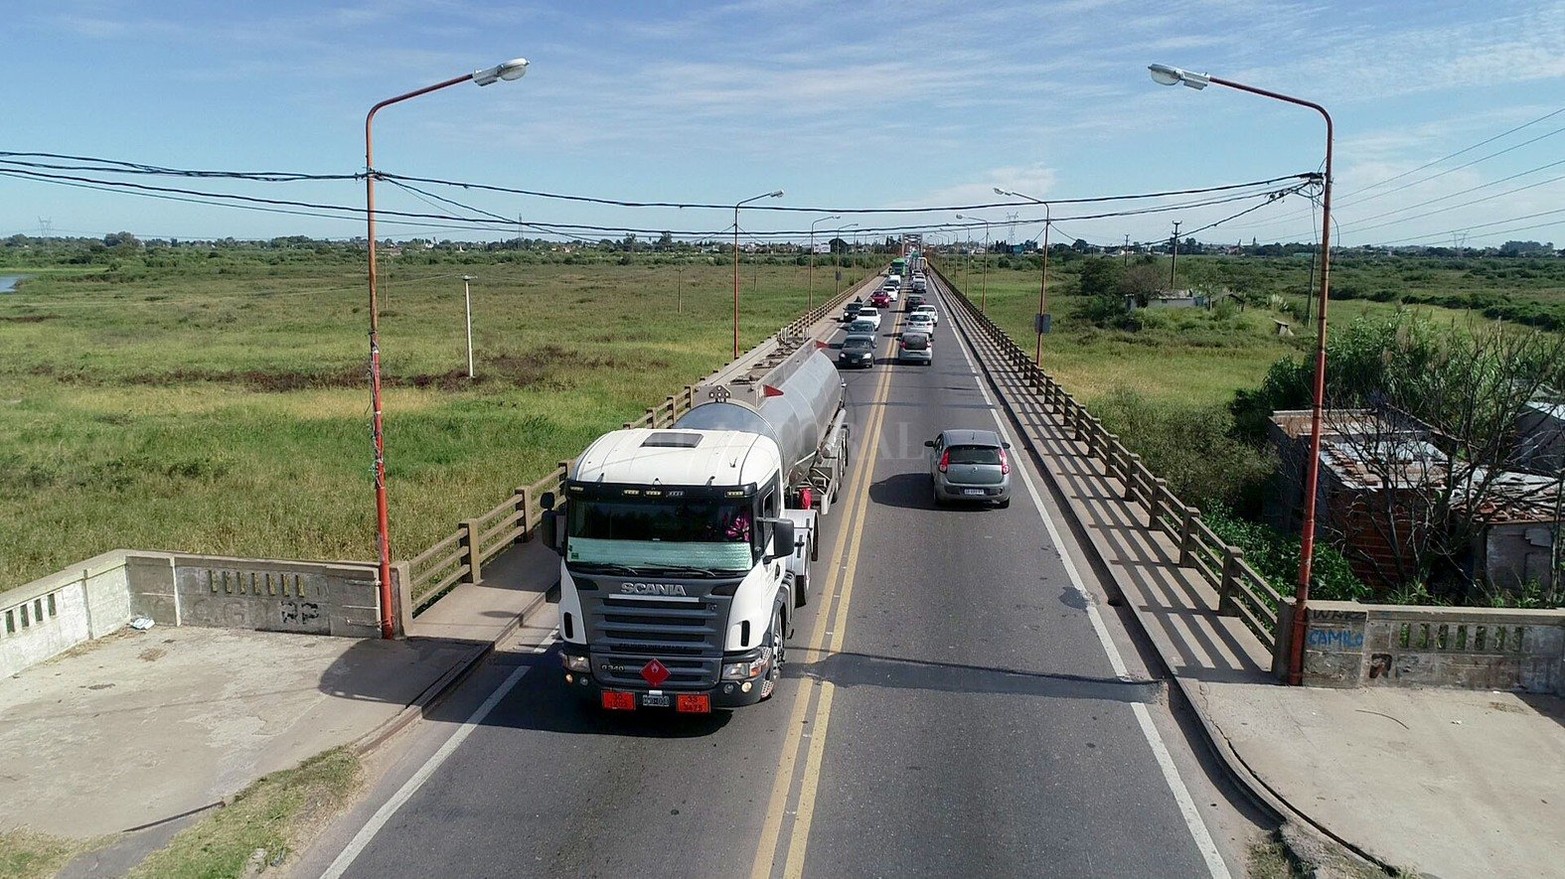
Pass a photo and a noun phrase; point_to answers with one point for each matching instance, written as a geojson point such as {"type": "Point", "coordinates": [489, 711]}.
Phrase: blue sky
{"type": "Point", "coordinates": [843, 105]}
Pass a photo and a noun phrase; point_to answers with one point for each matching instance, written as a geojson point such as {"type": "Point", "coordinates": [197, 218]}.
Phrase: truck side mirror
{"type": "Point", "coordinates": [782, 538]}
{"type": "Point", "coordinates": [549, 531]}
{"type": "Point", "coordinates": [546, 500]}
{"type": "Point", "coordinates": [929, 444]}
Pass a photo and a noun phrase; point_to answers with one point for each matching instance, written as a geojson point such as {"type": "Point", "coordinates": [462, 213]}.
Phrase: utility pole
{"type": "Point", "coordinates": [467, 295]}
{"type": "Point", "coordinates": [1175, 258]}
{"type": "Point", "coordinates": [1309, 297]}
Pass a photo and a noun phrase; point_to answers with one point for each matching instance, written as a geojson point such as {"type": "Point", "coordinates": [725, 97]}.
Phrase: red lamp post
{"type": "Point", "coordinates": [513, 69]}
{"type": "Point", "coordinates": [1165, 75]}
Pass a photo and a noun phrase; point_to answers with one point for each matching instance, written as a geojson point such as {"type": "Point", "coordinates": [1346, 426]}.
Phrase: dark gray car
{"type": "Point", "coordinates": [858, 349]}
{"type": "Point", "coordinates": [970, 465]}
{"type": "Point", "coordinates": [915, 348]}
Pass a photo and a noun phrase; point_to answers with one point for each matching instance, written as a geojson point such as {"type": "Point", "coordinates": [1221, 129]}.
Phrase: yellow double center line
{"type": "Point", "coordinates": [834, 629]}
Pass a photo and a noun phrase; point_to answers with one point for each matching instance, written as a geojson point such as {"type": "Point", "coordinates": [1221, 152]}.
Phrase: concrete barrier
{"type": "Point", "coordinates": [103, 594]}
{"type": "Point", "coordinates": [1354, 645]}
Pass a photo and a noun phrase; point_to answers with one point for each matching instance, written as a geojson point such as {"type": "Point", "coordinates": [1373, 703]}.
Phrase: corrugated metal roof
{"type": "Point", "coordinates": [1510, 496]}
{"type": "Point", "coordinates": [1399, 462]}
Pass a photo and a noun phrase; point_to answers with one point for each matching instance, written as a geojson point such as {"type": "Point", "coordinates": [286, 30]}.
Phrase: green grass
{"type": "Point", "coordinates": [225, 409]}
{"type": "Point", "coordinates": [271, 817]}
{"type": "Point", "coordinates": [1185, 355]}
{"type": "Point", "coordinates": [28, 855]}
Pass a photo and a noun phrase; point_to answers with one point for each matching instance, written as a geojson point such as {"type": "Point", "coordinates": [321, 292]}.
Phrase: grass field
{"type": "Point", "coordinates": [1183, 356]}
{"type": "Point", "coordinates": [190, 399]}
{"type": "Point", "coordinates": [225, 410]}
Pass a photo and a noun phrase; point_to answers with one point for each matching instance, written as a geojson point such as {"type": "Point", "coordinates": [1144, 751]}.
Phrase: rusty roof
{"type": "Point", "coordinates": [1403, 462]}
{"type": "Point", "coordinates": [1510, 496]}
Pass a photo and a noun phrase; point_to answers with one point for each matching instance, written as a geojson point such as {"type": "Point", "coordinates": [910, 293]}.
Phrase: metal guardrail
{"type": "Point", "coordinates": [459, 558]}
{"type": "Point", "coordinates": [1241, 591]}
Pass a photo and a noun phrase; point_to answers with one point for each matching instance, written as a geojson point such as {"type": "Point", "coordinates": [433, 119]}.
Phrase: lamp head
{"type": "Point", "coordinates": [777, 194]}
{"type": "Point", "coordinates": [516, 68]}
{"type": "Point", "coordinates": [1163, 74]}
{"type": "Point", "coordinates": [999, 191]}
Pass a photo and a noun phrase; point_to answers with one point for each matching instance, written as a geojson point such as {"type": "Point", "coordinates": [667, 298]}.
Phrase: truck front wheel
{"type": "Point", "coordinates": [769, 686]}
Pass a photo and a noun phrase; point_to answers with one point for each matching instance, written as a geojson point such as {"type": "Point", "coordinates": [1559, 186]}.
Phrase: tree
{"type": "Point", "coordinates": [1424, 423]}
{"type": "Point", "coordinates": [122, 240]}
{"type": "Point", "coordinates": [1141, 281]}
{"type": "Point", "coordinates": [1099, 277]}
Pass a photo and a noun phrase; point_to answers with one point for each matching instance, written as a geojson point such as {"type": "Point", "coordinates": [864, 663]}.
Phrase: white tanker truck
{"type": "Point", "coordinates": [686, 549]}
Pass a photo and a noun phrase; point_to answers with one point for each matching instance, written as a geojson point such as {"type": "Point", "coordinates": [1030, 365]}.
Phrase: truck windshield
{"type": "Point", "coordinates": [710, 534]}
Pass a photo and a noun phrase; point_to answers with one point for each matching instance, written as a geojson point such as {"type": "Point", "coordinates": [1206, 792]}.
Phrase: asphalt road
{"type": "Point", "coordinates": [953, 706]}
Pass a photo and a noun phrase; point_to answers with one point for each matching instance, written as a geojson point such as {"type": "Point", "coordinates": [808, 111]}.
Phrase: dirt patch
{"type": "Point", "coordinates": [261, 381]}
{"type": "Point", "coordinates": [533, 368]}
{"type": "Point", "coordinates": [28, 318]}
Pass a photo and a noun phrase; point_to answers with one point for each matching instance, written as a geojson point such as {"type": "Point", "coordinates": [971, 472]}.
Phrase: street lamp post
{"type": "Point", "coordinates": [510, 70]}
{"type": "Point", "coordinates": [1174, 257]}
{"type": "Point", "coordinates": [1043, 275]}
{"type": "Point", "coordinates": [983, 305]}
{"type": "Point", "coordinates": [467, 297]}
{"type": "Point", "coordinates": [811, 300]}
{"type": "Point", "coordinates": [1165, 75]}
{"type": "Point", "coordinates": [774, 194]}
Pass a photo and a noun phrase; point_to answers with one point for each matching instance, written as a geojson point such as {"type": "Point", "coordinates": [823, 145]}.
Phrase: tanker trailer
{"type": "Point", "coordinates": [685, 550]}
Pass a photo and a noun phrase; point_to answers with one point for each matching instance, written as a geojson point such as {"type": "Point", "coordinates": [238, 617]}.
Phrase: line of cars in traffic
{"type": "Point", "coordinates": [965, 465]}
{"type": "Point", "coordinates": [915, 339]}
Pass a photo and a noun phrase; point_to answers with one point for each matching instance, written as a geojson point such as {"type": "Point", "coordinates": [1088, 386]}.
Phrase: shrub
{"type": "Point", "coordinates": [1192, 447]}
{"type": "Point", "coordinates": [1275, 556]}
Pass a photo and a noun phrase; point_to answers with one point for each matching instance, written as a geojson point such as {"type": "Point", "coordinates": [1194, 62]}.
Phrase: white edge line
{"type": "Point", "coordinates": [1165, 761]}
{"type": "Point", "coordinates": [367, 833]}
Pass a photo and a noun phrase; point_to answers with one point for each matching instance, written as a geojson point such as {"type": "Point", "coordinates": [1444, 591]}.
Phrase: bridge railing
{"type": "Point", "coordinates": [1241, 591]}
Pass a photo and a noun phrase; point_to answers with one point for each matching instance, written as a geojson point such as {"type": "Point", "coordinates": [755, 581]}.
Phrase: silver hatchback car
{"type": "Point", "coordinates": [970, 465]}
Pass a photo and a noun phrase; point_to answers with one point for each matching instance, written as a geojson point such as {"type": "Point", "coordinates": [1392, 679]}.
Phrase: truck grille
{"type": "Point", "coordinates": [685, 635]}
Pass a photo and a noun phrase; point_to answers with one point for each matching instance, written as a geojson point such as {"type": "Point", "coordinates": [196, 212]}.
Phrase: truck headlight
{"type": "Point", "coordinates": [749, 670]}
{"type": "Point", "coordinates": [574, 662]}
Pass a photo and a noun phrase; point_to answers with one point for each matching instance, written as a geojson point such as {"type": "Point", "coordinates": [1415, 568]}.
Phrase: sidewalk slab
{"type": "Point", "coordinates": [1446, 782]}
{"type": "Point", "coordinates": [137, 728]}
{"type": "Point", "coordinates": [1442, 782]}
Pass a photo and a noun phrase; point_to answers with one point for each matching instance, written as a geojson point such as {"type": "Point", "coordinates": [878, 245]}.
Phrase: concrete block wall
{"type": "Point", "coordinates": [1354, 645]}
{"type": "Point", "coordinates": [101, 595]}
{"type": "Point", "coordinates": [306, 597]}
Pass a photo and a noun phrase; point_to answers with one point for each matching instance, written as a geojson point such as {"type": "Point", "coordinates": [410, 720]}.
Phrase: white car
{"type": "Point", "coordinates": [934, 316]}
{"type": "Point", "coordinates": [919, 322]}
{"type": "Point", "coordinates": [870, 314]}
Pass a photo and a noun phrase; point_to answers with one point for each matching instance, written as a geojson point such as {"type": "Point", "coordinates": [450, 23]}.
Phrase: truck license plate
{"type": "Point", "coordinates": [654, 700]}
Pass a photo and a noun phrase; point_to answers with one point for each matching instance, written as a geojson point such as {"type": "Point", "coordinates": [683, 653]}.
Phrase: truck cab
{"type": "Point", "coordinates": [676, 588]}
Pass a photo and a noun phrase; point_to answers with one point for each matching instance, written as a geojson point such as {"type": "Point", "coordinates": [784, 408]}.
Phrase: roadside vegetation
{"type": "Point", "coordinates": [215, 399]}
{"type": "Point", "coordinates": [263, 826]}
{"type": "Point", "coordinates": [28, 855]}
